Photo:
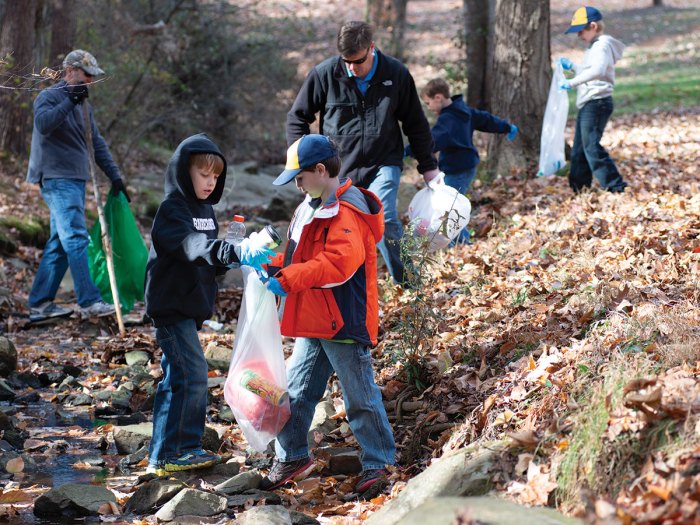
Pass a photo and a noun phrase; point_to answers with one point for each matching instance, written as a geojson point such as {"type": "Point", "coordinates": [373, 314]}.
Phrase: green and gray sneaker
{"type": "Point", "coordinates": [192, 460]}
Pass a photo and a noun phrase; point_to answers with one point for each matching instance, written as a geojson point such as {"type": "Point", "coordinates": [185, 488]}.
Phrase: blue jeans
{"type": "Point", "coordinates": [309, 369]}
{"type": "Point", "coordinates": [461, 182]}
{"type": "Point", "coordinates": [67, 245]}
{"type": "Point", "coordinates": [386, 187]}
{"type": "Point", "coordinates": [588, 158]}
{"type": "Point", "coordinates": [180, 405]}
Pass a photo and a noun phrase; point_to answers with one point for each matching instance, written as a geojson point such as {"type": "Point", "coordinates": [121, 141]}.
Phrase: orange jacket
{"type": "Point", "coordinates": [330, 268]}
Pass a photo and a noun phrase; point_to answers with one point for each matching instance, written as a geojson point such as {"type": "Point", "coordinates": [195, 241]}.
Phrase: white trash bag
{"type": "Point", "coordinates": [256, 386]}
{"type": "Point", "coordinates": [438, 212]}
{"type": "Point", "coordinates": [552, 157]}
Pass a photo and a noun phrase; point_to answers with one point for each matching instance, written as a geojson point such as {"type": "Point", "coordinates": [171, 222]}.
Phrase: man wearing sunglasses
{"type": "Point", "coordinates": [365, 99]}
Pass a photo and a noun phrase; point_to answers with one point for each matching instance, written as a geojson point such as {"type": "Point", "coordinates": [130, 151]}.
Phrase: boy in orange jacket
{"type": "Point", "coordinates": [329, 280]}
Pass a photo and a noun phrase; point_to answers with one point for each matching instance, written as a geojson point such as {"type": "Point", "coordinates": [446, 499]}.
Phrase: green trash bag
{"type": "Point", "coordinates": [128, 250]}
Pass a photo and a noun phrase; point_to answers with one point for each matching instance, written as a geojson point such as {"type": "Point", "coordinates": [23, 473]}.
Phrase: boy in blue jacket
{"type": "Point", "coordinates": [452, 135]}
{"type": "Point", "coordinates": [185, 258]}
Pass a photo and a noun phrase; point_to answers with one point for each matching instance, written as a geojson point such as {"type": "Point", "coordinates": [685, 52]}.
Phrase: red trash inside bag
{"type": "Point", "coordinates": [256, 386]}
{"type": "Point", "coordinates": [262, 402]}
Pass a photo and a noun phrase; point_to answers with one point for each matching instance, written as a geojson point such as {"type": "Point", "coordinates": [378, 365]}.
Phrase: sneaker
{"type": "Point", "coordinates": [158, 470]}
{"type": "Point", "coordinates": [98, 309]}
{"type": "Point", "coordinates": [285, 471]}
{"type": "Point", "coordinates": [192, 460]}
{"type": "Point", "coordinates": [48, 310]}
{"type": "Point", "coordinates": [371, 483]}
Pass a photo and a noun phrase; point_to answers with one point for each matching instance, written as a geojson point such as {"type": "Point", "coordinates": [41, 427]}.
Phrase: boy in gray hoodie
{"type": "Point", "coordinates": [594, 80]}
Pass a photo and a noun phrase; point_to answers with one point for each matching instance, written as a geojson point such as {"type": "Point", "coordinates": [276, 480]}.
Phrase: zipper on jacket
{"type": "Point", "coordinates": [333, 323]}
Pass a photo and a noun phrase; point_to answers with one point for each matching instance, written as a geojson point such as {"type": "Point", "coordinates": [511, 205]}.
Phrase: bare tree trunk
{"type": "Point", "coordinates": [476, 30]}
{"type": "Point", "coordinates": [658, 3]}
{"type": "Point", "coordinates": [63, 27]}
{"type": "Point", "coordinates": [398, 29]}
{"type": "Point", "coordinates": [388, 16]}
{"type": "Point", "coordinates": [521, 77]}
{"type": "Point", "coordinates": [16, 44]}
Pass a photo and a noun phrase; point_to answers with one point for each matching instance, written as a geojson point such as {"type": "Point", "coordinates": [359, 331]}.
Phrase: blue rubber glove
{"type": "Point", "coordinates": [566, 63]}
{"type": "Point", "coordinates": [513, 132]}
{"type": "Point", "coordinates": [253, 256]}
{"type": "Point", "coordinates": [565, 85]}
{"type": "Point", "coordinates": [275, 287]}
{"type": "Point", "coordinates": [407, 151]}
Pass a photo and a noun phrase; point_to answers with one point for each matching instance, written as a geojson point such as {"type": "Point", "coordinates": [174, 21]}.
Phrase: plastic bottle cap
{"type": "Point", "coordinates": [239, 218]}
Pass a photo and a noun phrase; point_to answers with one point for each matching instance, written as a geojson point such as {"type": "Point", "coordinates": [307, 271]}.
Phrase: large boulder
{"type": "Point", "coordinates": [465, 473]}
{"type": "Point", "coordinates": [484, 509]}
{"type": "Point", "coordinates": [72, 501]}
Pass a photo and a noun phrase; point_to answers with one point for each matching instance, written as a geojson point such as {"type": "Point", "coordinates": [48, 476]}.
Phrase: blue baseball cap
{"type": "Point", "coordinates": [305, 153]}
{"type": "Point", "coordinates": [582, 17]}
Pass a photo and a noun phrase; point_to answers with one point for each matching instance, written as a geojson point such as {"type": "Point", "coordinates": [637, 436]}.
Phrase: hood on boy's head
{"type": "Point", "coordinates": [177, 176]}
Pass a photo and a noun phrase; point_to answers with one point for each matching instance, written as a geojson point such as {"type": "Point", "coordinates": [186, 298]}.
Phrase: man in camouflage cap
{"type": "Point", "coordinates": [83, 60]}
{"type": "Point", "coordinates": [59, 163]}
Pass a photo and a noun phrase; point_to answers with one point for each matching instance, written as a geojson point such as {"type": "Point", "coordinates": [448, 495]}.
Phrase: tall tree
{"type": "Point", "coordinates": [389, 15]}
{"type": "Point", "coordinates": [521, 77]}
{"type": "Point", "coordinates": [16, 44]}
{"type": "Point", "coordinates": [63, 27]}
{"type": "Point", "coordinates": [477, 24]}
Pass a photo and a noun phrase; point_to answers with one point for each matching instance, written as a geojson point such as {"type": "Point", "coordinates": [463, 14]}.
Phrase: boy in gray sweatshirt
{"type": "Point", "coordinates": [594, 80]}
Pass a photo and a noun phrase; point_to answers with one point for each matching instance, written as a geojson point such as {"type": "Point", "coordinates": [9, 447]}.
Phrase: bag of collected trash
{"type": "Point", "coordinates": [552, 157]}
{"type": "Point", "coordinates": [129, 253]}
{"type": "Point", "coordinates": [438, 213]}
{"type": "Point", "coordinates": [256, 386]}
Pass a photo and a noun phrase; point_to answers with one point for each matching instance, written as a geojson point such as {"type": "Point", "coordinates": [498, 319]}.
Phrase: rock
{"type": "Point", "coordinates": [192, 502]}
{"type": "Point", "coordinates": [299, 518]}
{"type": "Point", "coordinates": [8, 357]}
{"type": "Point", "coordinates": [137, 357]}
{"type": "Point", "coordinates": [268, 515]}
{"type": "Point", "coordinates": [466, 473]}
{"type": "Point", "coordinates": [72, 501]}
{"type": "Point", "coordinates": [240, 483]}
{"type": "Point", "coordinates": [225, 413]}
{"type": "Point", "coordinates": [344, 461]}
{"type": "Point", "coordinates": [72, 370]}
{"type": "Point", "coordinates": [153, 494]}
{"type": "Point", "coordinates": [81, 400]}
{"type": "Point", "coordinates": [132, 437]}
{"type": "Point", "coordinates": [6, 391]}
{"type": "Point", "coordinates": [218, 357]}
{"type": "Point", "coordinates": [491, 510]}
{"type": "Point", "coordinates": [215, 382]}
{"type": "Point", "coordinates": [132, 459]}
{"type": "Point", "coordinates": [254, 496]}
{"type": "Point", "coordinates": [211, 440]}
{"type": "Point", "coordinates": [322, 423]}
{"type": "Point", "coordinates": [29, 397]}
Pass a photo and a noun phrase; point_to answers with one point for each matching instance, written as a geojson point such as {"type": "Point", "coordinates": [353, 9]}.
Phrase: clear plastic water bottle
{"type": "Point", "coordinates": [236, 230]}
{"type": "Point", "coordinates": [267, 237]}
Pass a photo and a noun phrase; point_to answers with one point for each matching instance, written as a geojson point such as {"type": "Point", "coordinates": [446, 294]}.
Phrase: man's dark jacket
{"type": "Point", "coordinates": [366, 128]}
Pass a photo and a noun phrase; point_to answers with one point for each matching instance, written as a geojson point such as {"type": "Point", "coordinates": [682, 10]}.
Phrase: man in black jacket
{"type": "Point", "coordinates": [365, 99]}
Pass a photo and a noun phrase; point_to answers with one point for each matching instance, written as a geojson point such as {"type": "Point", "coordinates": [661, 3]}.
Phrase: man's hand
{"type": "Point", "coordinates": [77, 93]}
{"type": "Point", "coordinates": [431, 175]}
{"type": "Point", "coordinates": [275, 287]}
{"type": "Point", "coordinates": [513, 132]}
{"type": "Point", "coordinates": [566, 63]}
{"type": "Point", "coordinates": [117, 186]}
{"type": "Point", "coordinates": [254, 256]}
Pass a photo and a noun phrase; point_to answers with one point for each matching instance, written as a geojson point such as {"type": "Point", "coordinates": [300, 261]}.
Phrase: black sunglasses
{"type": "Point", "coordinates": [359, 60]}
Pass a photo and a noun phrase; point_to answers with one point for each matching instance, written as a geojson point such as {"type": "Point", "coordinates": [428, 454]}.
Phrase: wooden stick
{"type": "Point", "coordinates": [106, 243]}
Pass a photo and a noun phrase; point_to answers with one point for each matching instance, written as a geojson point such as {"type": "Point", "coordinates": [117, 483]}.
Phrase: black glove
{"type": "Point", "coordinates": [77, 93]}
{"type": "Point", "coordinates": [117, 186]}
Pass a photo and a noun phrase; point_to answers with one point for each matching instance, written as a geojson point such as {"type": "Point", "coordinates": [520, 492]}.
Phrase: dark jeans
{"type": "Point", "coordinates": [588, 158]}
{"type": "Point", "coordinates": [180, 404]}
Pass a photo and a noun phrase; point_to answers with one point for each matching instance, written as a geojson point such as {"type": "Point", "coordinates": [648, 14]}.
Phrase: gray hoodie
{"type": "Point", "coordinates": [595, 76]}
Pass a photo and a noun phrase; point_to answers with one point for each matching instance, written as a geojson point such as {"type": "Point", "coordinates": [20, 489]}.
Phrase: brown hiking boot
{"type": "Point", "coordinates": [283, 472]}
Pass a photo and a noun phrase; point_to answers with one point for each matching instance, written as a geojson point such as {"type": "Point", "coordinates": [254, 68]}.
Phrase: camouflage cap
{"type": "Point", "coordinates": [83, 60]}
